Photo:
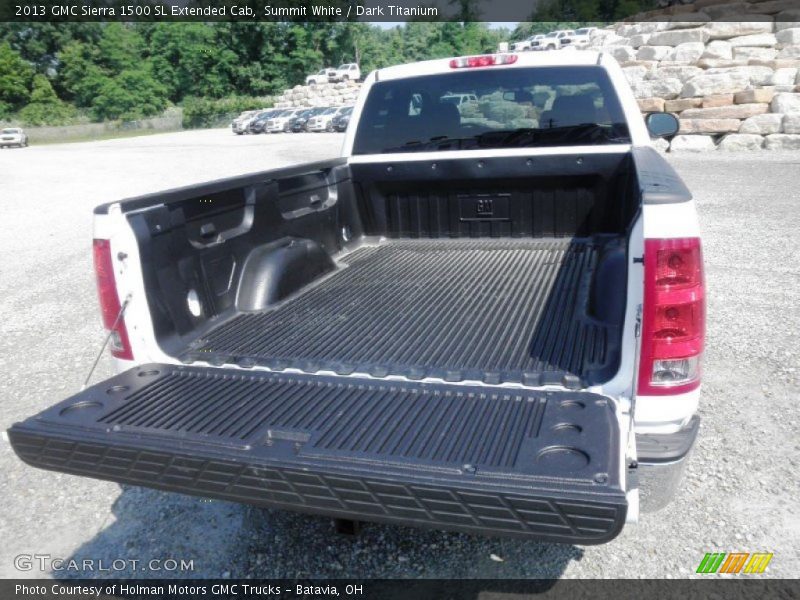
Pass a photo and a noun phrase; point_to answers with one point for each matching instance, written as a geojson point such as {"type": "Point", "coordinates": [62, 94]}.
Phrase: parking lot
{"type": "Point", "coordinates": [742, 485]}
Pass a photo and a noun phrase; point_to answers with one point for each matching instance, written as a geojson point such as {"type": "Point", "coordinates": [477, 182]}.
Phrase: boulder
{"type": "Point", "coordinates": [647, 64]}
{"type": "Point", "coordinates": [683, 72]}
{"type": "Point", "coordinates": [687, 52]}
{"type": "Point", "coordinates": [754, 95]}
{"type": "Point", "coordinates": [785, 103]}
{"type": "Point", "coordinates": [762, 124]}
{"type": "Point", "coordinates": [720, 83]}
{"type": "Point", "coordinates": [629, 30]}
{"type": "Point", "coordinates": [651, 104]}
{"type": "Point", "coordinates": [790, 36]}
{"type": "Point", "coordinates": [653, 52]}
{"type": "Point", "coordinates": [782, 141]}
{"type": "Point", "coordinates": [717, 100]}
{"type": "Point", "coordinates": [770, 7]}
{"type": "Point", "coordinates": [756, 75]}
{"type": "Point", "coordinates": [788, 19]}
{"type": "Point", "coordinates": [790, 52]}
{"type": "Point", "coordinates": [784, 76]}
{"type": "Point", "coordinates": [735, 142]}
{"type": "Point", "coordinates": [720, 63]}
{"type": "Point", "coordinates": [763, 40]}
{"type": "Point", "coordinates": [718, 49]}
{"type": "Point", "coordinates": [663, 88]}
{"type": "Point", "coordinates": [639, 40]}
{"type": "Point", "coordinates": [791, 123]}
{"type": "Point", "coordinates": [692, 143]}
{"type": "Point", "coordinates": [680, 104]}
{"type": "Point", "coordinates": [634, 74]}
{"type": "Point", "coordinates": [775, 63]}
{"type": "Point", "coordinates": [709, 125]}
{"type": "Point", "coordinates": [749, 53]}
{"type": "Point", "coordinates": [736, 111]}
{"type": "Point", "coordinates": [675, 37]}
{"type": "Point", "coordinates": [623, 53]}
{"type": "Point", "coordinates": [661, 144]}
{"type": "Point", "coordinates": [731, 11]}
{"type": "Point", "coordinates": [728, 30]}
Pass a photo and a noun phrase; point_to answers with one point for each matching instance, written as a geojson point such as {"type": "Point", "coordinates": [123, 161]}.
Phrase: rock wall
{"type": "Point", "coordinates": [733, 85]}
{"type": "Point", "coordinates": [343, 93]}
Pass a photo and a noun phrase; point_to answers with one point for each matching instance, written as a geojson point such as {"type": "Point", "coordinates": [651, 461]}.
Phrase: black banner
{"type": "Point", "coordinates": [599, 11]}
{"type": "Point", "coordinates": [424, 589]}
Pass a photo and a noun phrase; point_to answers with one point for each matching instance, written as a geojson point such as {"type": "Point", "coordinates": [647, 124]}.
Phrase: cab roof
{"type": "Point", "coordinates": [555, 58]}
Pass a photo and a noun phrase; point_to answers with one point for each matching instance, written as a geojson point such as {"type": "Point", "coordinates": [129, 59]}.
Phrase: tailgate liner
{"type": "Point", "coordinates": [458, 310]}
{"type": "Point", "coordinates": [504, 461]}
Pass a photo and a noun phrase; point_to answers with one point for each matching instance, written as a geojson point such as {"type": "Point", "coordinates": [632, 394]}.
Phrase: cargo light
{"type": "Point", "coordinates": [673, 320]}
{"type": "Point", "coordinates": [110, 307]}
{"type": "Point", "coordinates": [483, 60]}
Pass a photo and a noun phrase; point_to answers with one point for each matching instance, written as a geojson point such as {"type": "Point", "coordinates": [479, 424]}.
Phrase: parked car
{"type": "Point", "coordinates": [258, 124]}
{"type": "Point", "coordinates": [13, 136]}
{"type": "Point", "coordinates": [347, 72]}
{"type": "Point", "coordinates": [323, 120]}
{"type": "Point", "coordinates": [583, 37]}
{"type": "Point", "coordinates": [240, 124]}
{"type": "Point", "coordinates": [341, 119]}
{"type": "Point", "coordinates": [322, 76]}
{"type": "Point", "coordinates": [299, 121]}
{"type": "Point", "coordinates": [280, 122]}
{"type": "Point", "coordinates": [491, 328]}
{"type": "Point", "coordinates": [528, 43]}
{"type": "Point", "coordinates": [555, 40]}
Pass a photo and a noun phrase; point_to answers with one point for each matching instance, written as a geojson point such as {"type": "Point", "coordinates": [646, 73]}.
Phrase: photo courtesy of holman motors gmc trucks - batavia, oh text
{"type": "Point", "coordinates": [488, 321]}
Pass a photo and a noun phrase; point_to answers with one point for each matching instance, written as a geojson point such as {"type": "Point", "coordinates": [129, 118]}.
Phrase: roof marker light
{"type": "Point", "coordinates": [483, 60]}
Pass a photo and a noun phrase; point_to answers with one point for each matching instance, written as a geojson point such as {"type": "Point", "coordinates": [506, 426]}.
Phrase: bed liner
{"type": "Point", "coordinates": [490, 310]}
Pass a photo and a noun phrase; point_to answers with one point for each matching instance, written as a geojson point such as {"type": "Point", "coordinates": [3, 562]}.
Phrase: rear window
{"type": "Point", "coordinates": [502, 108]}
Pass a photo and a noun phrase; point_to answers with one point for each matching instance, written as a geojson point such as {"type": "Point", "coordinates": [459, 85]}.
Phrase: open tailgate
{"type": "Point", "coordinates": [492, 460]}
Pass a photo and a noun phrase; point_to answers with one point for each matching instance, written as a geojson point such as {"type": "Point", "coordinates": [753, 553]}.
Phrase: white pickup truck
{"type": "Point", "coordinates": [492, 326]}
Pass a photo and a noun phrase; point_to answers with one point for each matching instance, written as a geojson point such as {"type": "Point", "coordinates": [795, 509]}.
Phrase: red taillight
{"type": "Point", "coordinates": [483, 60]}
{"type": "Point", "coordinates": [109, 300]}
{"type": "Point", "coordinates": [673, 320]}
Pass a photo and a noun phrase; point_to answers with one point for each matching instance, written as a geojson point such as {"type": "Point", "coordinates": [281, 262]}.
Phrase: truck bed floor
{"type": "Point", "coordinates": [478, 310]}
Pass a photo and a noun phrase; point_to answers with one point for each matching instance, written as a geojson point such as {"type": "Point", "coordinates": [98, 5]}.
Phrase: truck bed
{"type": "Point", "coordinates": [491, 310]}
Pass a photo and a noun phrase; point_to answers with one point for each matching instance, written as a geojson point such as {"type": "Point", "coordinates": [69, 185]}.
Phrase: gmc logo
{"type": "Point", "coordinates": [485, 207]}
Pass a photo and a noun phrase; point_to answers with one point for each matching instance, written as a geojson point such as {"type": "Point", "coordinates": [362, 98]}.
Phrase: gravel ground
{"type": "Point", "coordinates": [741, 488]}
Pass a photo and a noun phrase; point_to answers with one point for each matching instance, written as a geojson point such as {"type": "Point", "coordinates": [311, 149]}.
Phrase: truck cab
{"type": "Point", "coordinates": [485, 318]}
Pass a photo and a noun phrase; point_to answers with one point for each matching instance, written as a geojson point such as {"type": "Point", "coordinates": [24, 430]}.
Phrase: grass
{"type": "Point", "coordinates": [107, 135]}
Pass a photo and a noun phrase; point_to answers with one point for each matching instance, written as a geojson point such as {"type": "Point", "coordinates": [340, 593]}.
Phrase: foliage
{"type": "Point", "coordinates": [133, 70]}
{"type": "Point", "coordinates": [16, 77]}
{"type": "Point", "coordinates": [205, 112]}
{"type": "Point", "coordinates": [45, 108]}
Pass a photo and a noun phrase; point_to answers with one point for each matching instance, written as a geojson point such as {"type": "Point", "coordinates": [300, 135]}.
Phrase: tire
{"type": "Point", "coordinates": [345, 78]}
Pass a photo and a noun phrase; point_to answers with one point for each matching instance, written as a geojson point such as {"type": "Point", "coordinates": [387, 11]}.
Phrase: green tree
{"type": "Point", "coordinates": [45, 107]}
{"type": "Point", "coordinates": [132, 94]}
{"type": "Point", "coordinates": [16, 76]}
{"type": "Point", "coordinates": [188, 61]}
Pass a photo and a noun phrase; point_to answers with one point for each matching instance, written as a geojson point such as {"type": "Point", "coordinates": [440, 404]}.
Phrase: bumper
{"type": "Point", "coordinates": [662, 460]}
